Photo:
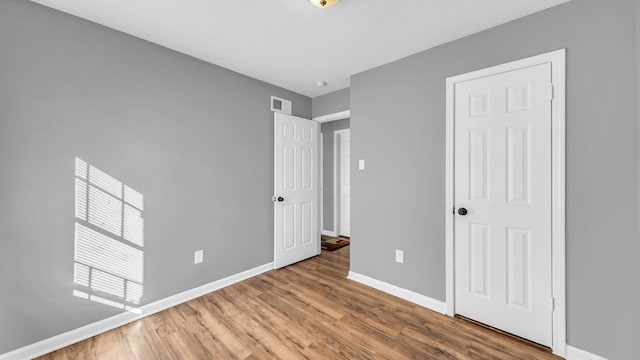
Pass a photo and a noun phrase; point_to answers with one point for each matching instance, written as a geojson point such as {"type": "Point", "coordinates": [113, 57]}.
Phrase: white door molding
{"type": "Point", "coordinates": [557, 59]}
{"type": "Point", "coordinates": [341, 115]}
{"type": "Point", "coordinates": [321, 180]}
{"type": "Point", "coordinates": [336, 179]}
{"type": "Point", "coordinates": [344, 189]}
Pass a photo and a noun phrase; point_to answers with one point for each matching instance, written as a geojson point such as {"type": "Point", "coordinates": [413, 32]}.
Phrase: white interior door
{"type": "Point", "coordinates": [296, 192]}
{"type": "Point", "coordinates": [345, 183]}
{"type": "Point", "coordinates": [503, 179]}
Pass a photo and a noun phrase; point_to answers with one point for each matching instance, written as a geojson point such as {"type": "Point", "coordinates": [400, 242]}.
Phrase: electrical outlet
{"type": "Point", "coordinates": [198, 257]}
{"type": "Point", "coordinates": [399, 256]}
{"type": "Point", "coordinates": [361, 164]}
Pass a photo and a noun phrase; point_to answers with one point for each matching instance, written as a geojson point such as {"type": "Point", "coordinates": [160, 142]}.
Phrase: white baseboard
{"type": "Point", "coordinates": [577, 354]}
{"type": "Point", "coordinates": [425, 301]}
{"type": "Point", "coordinates": [328, 233]}
{"type": "Point", "coordinates": [71, 337]}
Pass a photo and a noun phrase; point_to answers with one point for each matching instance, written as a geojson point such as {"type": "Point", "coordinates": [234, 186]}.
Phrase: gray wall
{"type": "Point", "coordinates": [638, 118]}
{"type": "Point", "coordinates": [194, 138]}
{"type": "Point", "coordinates": [404, 103]}
{"type": "Point", "coordinates": [331, 103]}
{"type": "Point", "coordinates": [327, 130]}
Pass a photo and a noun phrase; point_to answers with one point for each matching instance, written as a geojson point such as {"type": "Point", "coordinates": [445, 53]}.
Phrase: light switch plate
{"type": "Point", "coordinates": [198, 257]}
{"type": "Point", "coordinates": [399, 256]}
{"type": "Point", "coordinates": [361, 164]}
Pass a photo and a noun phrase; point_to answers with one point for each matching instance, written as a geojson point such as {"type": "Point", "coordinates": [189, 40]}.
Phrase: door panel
{"type": "Point", "coordinates": [519, 267]}
{"type": "Point", "coordinates": [296, 235]}
{"type": "Point", "coordinates": [503, 179]}
{"type": "Point", "coordinates": [307, 169]}
{"type": "Point", "coordinates": [307, 223]}
{"type": "Point", "coordinates": [479, 259]}
{"type": "Point", "coordinates": [288, 226]}
{"type": "Point", "coordinates": [478, 180]}
{"type": "Point", "coordinates": [518, 159]}
{"type": "Point", "coordinates": [288, 168]}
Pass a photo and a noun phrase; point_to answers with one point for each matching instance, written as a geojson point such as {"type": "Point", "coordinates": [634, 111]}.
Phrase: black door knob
{"type": "Point", "coordinates": [462, 211]}
{"type": "Point", "coordinates": [280, 199]}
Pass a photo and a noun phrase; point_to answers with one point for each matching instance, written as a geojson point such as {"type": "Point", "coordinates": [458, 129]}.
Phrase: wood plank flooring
{"type": "Point", "coordinates": [306, 311]}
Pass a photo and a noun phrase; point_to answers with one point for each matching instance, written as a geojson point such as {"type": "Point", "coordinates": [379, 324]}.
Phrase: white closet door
{"type": "Point", "coordinates": [503, 272]}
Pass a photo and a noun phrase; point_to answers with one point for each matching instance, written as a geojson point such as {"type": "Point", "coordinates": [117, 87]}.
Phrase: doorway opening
{"type": "Point", "coordinates": [335, 181]}
{"type": "Point", "coordinates": [300, 200]}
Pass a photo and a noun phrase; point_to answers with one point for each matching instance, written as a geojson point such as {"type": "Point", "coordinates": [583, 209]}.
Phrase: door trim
{"type": "Point", "coordinates": [336, 180]}
{"type": "Point", "coordinates": [321, 182]}
{"type": "Point", "coordinates": [340, 115]}
{"type": "Point", "coordinates": [333, 117]}
{"type": "Point", "coordinates": [558, 163]}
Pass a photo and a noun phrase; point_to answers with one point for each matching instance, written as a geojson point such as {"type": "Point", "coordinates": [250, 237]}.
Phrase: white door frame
{"type": "Point", "coordinates": [341, 115]}
{"type": "Point", "coordinates": [321, 182]}
{"type": "Point", "coordinates": [337, 157]}
{"type": "Point", "coordinates": [558, 73]}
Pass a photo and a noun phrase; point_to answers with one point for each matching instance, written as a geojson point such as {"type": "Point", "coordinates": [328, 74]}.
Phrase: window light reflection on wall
{"type": "Point", "coordinates": [109, 239]}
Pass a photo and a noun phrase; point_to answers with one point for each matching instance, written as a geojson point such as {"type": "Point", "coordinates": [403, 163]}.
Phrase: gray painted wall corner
{"type": "Point", "coordinates": [334, 102]}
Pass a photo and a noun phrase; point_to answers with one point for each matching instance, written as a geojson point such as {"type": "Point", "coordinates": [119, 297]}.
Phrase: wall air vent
{"type": "Point", "coordinates": [280, 105]}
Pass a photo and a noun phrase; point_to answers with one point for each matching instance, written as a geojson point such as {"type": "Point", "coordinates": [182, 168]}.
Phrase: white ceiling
{"type": "Point", "coordinates": [293, 44]}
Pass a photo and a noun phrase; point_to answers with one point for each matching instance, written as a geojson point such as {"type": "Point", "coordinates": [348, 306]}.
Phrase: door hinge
{"type": "Point", "coordinates": [552, 304]}
{"type": "Point", "coordinates": [552, 91]}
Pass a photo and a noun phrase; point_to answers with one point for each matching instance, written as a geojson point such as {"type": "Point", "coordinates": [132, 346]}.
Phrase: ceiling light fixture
{"type": "Point", "coordinates": [323, 3]}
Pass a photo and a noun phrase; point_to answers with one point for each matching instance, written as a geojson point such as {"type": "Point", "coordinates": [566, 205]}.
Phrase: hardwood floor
{"type": "Point", "coordinates": [306, 311]}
